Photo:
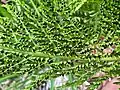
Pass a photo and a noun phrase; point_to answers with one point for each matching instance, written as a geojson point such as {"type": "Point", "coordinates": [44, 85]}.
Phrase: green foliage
{"type": "Point", "coordinates": [58, 35]}
{"type": "Point", "coordinates": [4, 12]}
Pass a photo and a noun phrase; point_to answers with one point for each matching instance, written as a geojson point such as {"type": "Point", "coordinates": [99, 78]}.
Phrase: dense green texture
{"type": "Point", "coordinates": [59, 35]}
